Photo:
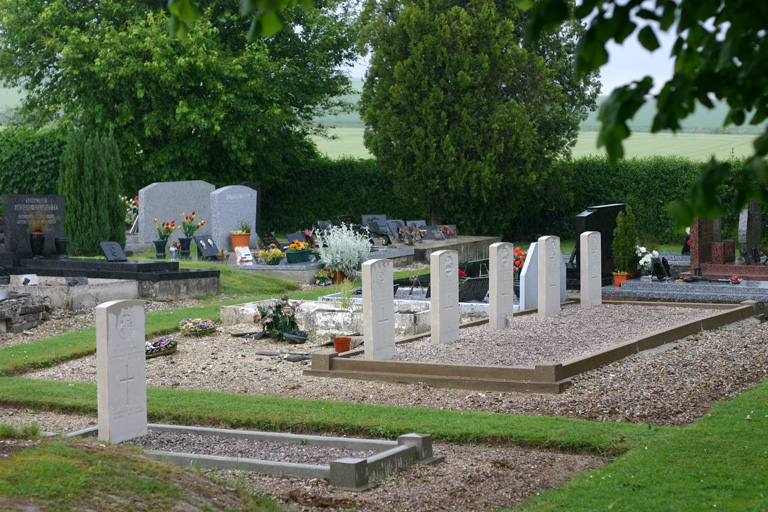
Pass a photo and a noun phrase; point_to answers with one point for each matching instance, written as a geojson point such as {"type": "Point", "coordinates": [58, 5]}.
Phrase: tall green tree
{"type": "Point", "coordinates": [720, 52]}
{"type": "Point", "coordinates": [89, 182]}
{"type": "Point", "coordinates": [210, 106]}
{"type": "Point", "coordinates": [468, 121]}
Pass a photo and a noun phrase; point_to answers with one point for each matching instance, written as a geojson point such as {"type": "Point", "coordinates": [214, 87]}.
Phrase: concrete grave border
{"type": "Point", "coordinates": [346, 473]}
{"type": "Point", "coordinates": [548, 377]}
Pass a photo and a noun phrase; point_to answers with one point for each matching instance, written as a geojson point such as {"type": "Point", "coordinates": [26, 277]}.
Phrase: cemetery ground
{"type": "Point", "coordinates": [669, 429]}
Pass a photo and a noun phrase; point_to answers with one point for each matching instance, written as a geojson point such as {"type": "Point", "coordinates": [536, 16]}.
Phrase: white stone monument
{"type": "Point", "coordinates": [501, 284]}
{"type": "Point", "coordinates": [378, 310]}
{"type": "Point", "coordinates": [590, 269]}
{"type": "Point", "coordinates": [444, 304]}
{"type": "Point", "coordinates": [121, 370]}
{"type": "Point", "coordinates": [550, 260]}
{"type": "Point", "coordinates": [529, 279]}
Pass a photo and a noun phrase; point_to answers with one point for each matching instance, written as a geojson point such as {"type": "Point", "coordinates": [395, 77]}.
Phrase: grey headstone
{"type": "Point", "coordinates": [381, 220]}
{"type": "Point", "coordinates": [167, 201]}
{"type": "Point", "coordinates": [229, 206]}
{"type": "Point", "coordinates": [529, 279]}
{"type": "Point", "coordinates": [19, 208]}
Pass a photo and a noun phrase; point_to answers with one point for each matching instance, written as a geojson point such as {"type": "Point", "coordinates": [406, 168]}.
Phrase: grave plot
{"type": "Point", "coordinates": [537, 355]}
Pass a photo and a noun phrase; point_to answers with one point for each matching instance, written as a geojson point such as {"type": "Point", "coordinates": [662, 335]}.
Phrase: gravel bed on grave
{"type": "Point", "coordinates": [530, 340]}
{"type": "Point", "coordinates": [223, 446]}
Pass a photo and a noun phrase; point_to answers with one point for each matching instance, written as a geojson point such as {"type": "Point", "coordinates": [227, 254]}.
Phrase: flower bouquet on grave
{"type": "Point", "coordinates": [279, 319]}
{"type": "Point", "coordinates": [131, 210]}
{"type": "Point", "coordinates": [165, 229]}
{"type": "Point", "coordinates": [160, 347]}
{"type": "Point", "coordinates": [189, 226]}
{"type": "Point", "coordinates": [735, 279]}
{"type": "Point", "coordinates": [518, 256]}
{"type": "Point", "coordinates": [447, 231]}
{"type": "Point", "coordinates": [271, 256]}
{"type": "Point", "coordinates": [197, 326]}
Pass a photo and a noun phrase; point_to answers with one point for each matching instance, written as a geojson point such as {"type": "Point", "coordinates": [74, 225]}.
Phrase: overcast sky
{"type": "Point", "coordinates": [627, 62]}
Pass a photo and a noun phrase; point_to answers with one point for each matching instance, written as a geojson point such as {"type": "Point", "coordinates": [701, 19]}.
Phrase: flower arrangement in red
{"type": "Point", "coordinates": [519, 260]}
{"type": "Point", "coordinates": [447, 231]}
{"type": "Point", "coordinates": [189, 226]}
{"type": "Point", "coordinates": [165, 229]}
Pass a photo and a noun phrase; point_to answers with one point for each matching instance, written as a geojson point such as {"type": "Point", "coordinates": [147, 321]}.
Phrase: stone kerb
{"type": "Point", "coordinates": [230, 206]}
{"type": "Point", "coordinates": [501, 284]}
{"type": "Point", "coordinates": [121, 372]}
{"type": "Point", "coordinates": [444, 304]}
{"type": "Point", "coordinates": [590, 269]}
{"type": "Point", "coordinates": [166, 202]}
{"type": "Point", "coordinates": [550, 260]}
{"type": "Point", "coordinates": [378, 310]}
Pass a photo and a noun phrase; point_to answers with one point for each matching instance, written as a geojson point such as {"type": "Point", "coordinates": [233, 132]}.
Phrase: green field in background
{"type": "Point", "coordinates": [695, 146]}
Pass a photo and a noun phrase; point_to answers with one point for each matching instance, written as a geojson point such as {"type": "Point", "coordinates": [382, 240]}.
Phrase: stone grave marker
{"type": "Point", "coordinates": [121, 371]}
{"type": "Point", "coordinates": [444, 303]}
{"type": "Point", "coordinates": [166, 201]}
{"type": "Point", "coordinates": [296, 237]}
{"type": "Point", "coordinates": [112, 251]}
{"type": "Point", "coordinates": [550, 260]}
{"type": "Point", "coordinates": [349, 220]}
{"type": "Point", "coordinates": [601, 218]}
{"type": "Point", "coordinates": [750, 225]}
{"type": "Point", "coordinates": [590, 269]}
{"type": "Point", "coordinates": [380, 219]}
{"type": "Point", "coordinates": [266, 239]}
{"type": "Point", "coordinates": [529, 279]}
{"type": "Point", "coordinates": [230, 206]}
{"type": "Point", "coordinates": [420, 224]}
{"type": "Point", "coordinates": [502, 276]}
{"type": "Point", "coordinates": [378, 310]}
{"type": "Point", "coordinates": [206, 247]}
{"type": "Point", "coordinates": [393, 226]}
{"type": "Point", "coordinates": [255, 186]}
{"type": "Point", "coordinates": [19, 209]}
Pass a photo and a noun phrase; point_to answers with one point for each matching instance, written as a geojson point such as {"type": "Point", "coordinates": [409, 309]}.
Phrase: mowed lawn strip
{"type": "Point", "coordinates": [230, 410]}
{"type": "Point", "coordinates": [718, 463]}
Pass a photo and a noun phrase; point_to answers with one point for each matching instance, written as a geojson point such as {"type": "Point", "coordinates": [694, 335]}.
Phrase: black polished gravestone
{"type": "Point", "coordinates": [473, 289]}
{"type": "Point", "coordinates": [296, 237]}
{"type": "Point", "coordinates": [206, 247]}
{"type": "Point", "coordinates": [659, 272]}
{"type": "Point", "coordinates": [601, 218]}
{"type": "Point", "coordinates": [112, 251]}
{"type": "Point", "coordinates": [349, 220]}
{"type": "Point", "coordinates": [267, 239]}
{"type": "Point", "coordinates": [20, 210]}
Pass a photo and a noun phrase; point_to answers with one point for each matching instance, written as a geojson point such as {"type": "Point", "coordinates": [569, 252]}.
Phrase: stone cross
{"type": "Point", "coordinates": [590, 269]}
{"type": "Point", "coordinates": [121, 371]}
{"type": "Point", "coordinates": [501, 284]}
{"type": "Point", "coordinates": [444, 304]}
{"type": "Point", "coordinates": [550, 260]}
{"type": "Point", "coordinates": [378, 310]}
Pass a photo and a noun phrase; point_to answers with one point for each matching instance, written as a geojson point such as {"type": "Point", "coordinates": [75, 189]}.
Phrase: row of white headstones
{"type": "Point", "coordinates": [121, 371]}
{"type": "Point", "coordinates": [378, 293]}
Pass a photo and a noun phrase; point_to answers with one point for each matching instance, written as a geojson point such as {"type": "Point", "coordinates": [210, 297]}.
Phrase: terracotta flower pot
{"type": "Point", "coordinates": [619, 277]}
{"type": "Point", "coordinates": [240, 240]}
{"type": "Point", "coordinates": [338, 276]}
{"type": "Point", "coordinates": [341, 344]}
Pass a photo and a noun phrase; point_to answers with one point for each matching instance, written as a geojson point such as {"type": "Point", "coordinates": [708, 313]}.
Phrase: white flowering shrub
{"type": "Point", "coordinates": [342, 249]}
{"type": "Point", "coordinates": [644, 264]}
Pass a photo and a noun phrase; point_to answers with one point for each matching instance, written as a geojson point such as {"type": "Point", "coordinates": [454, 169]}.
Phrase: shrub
{"type": "Point", "coordinates": [624, 243]}
{"type": "Point", "coordinates": [342, 249]}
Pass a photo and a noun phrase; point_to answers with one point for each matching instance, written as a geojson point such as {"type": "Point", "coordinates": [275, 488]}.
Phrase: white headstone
{"type": "Point", "coordinates": [529, 279]}
{"type": "Point", "coordinates": [590, 269]}
{"type": "Point", "coordinates": [501, 284]}
{"type": "Point", "coordinates": [444, 304]}
{"type": "Point", "coordinates": [230, 206]}
{"type": "Point", "coordinates": [167, 201]}
{"type": "Point", "coordinates": [550, 259]}
{"type": "Point", "coordinates": [378, 309]}
{"type": "Point", "coordinates": [121, 371]}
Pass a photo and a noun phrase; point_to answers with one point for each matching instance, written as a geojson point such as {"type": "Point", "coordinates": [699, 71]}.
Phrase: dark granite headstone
{"type": "Point", "coordinates": [266, 239]}
{"type": "Point", "coordinates": [381, 220]}
{"type": "Point", "coordinates": [420, 224]}
{"type": "Point", "coordinates": [349, 220]}
{"type": "Point", "coordinates": [296, 237]}
{"type": "Point", "coordinates": [19, 209]}
{"type": "Point", "coordinates": [473, 289]}
{"type": "Point", "coordinates": [667, 268]}
{"type": "Point", "coordinates": [601, 218]}
{"type": "Point", "coordinates": [658, 269]}
{"type": "Point", "coordinates": [206, 247]}
{"type": "Point", "coordinates": [394, 226]}
{"type": "Point", "coordinates": [112, 251]}
{"type": "Point", "coordinates": [477, 268]}
{"type": "Point", "coordinates": [750, 225]}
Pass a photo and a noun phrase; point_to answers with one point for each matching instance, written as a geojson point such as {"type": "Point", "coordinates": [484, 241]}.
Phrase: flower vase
{"type": "Point", "coordinates": [341, 344]}
{"type": "Point", "coordinates": [160, 248]}
{"type": "Point", "coordinates": [338, 276]}
{"type": "Point", "coordinates": [61, 247]}
{"type": "Point", "coordinates": [37, 244]}
{"type": "Point", "coordinates": [185, 242]}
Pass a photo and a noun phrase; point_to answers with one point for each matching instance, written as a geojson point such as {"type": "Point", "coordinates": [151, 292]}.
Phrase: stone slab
{"type": "Point", "coordinates": [590, 264]}
{"type": "Point", "coordinates": [18, 210]}
{"type": "Point", "coordinates": [166, 202]}
{"type": "Point", "coordinates": [501, 284]}
{"type": "Point", "coordinates": [230, 206]}
{"type": "Point", "coordinates": [550, 261]}
{"type": "Point", "coordinates": [378, 310]}
{"type": "Point", "coordinates": [444, 303]}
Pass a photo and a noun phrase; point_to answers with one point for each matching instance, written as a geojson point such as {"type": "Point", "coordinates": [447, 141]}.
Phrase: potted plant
{"type": "Point", "coordinates": [241, 237]}
{"type": "Point", "coordinates": [298, 252]}
{"type": "Point", "coordinates": [164, 231]}
{"type": "Point", "coordinates": [624, 248]}
{"type": "Point", "coordinates": [278, 320]}
{"type": "Point", "coordinates": [323, 277]}
{"type": "Point", "coordinates": [343, 250]}
{"type": "Point", "coordinates": [222, 255]}
{"type": "Point", "coordinates": [271, 256]}
{"type": "Point", "coordinates": [190, 227]}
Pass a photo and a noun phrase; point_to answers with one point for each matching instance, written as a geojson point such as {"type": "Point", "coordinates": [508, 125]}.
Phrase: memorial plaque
{"type": "Point", "coordinates": [474, 289]}
{"type": "Point", "coordinates": [349, 220]}
{"type": "Point", "coordinates": [243, 253]}
{"type": "Point", "coordinates": [20, 209]}
{"type": "Point", "coordinates": [267, 239]}
{"type": "Point", "coordinates": [296, 237]}
{"type": "Point", "coordinates": [206, 247]}
{"type": "Point", "coordinates": [112, 251]}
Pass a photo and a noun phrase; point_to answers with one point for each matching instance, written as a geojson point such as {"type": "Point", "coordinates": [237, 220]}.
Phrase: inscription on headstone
{"type": "Point", "coordinates": [502, 276]}
{"type": "Point", "coordinates": [121, 371]}
{"type": "Point", "coordinates": [550, 260]}
{"type": "Point", "coordinates": [444, 303]}
{"type": "Point", "coordinates": [20, 212]}
{"type": "Point", "coordinates": [378, 310]}
{"type": "Point", "coordinates": [590, 268]}
{"type": "Point", "coordinates": [112, 251]}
